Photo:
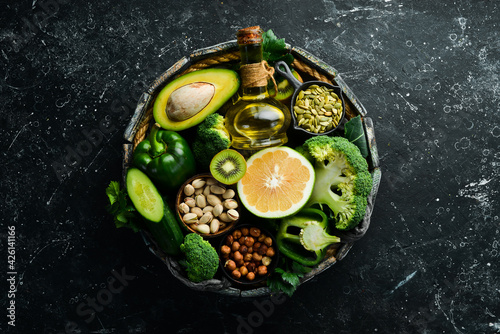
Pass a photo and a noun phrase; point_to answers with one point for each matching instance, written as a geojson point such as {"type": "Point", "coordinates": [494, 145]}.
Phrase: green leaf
{"type": "Point", "coordinates": [291, 278]}
{"type": "Point", "coordinates": [354, 132]}
{"type": "Point", "coordinates": [298, 268]}
{"type": "Point", "coordinates": [121, 208]}
{"type": "Point", "coordinates": [274, 49]}
{"type": "Point", "coordinates": [277, 285]}
{"type": "Point", "coordinates": [113, 191]}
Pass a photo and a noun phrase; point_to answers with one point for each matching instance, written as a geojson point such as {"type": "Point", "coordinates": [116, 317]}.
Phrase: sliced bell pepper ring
{"type": "Point", "coordinates": [305, 229]}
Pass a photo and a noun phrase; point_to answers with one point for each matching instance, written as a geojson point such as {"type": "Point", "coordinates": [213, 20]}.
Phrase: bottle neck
{"type": "Point", "coordinates": [252, 54]}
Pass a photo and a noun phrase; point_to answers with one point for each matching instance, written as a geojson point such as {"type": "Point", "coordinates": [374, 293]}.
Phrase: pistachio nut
{"type": "Point", "coordinates": [198, 211]}
{"type": "Point", "coordinates": [184, 208]}
{"type": "Point", "coordinates": [230, 204]}
{"type": "Point", "coordinates": [218, 209]}
{"type": "Point", "coordinates": [206, 218]}
{"type": "Point", "coordinates": [228, 194]}
{"type": "Point", "coordinates": [213, 200]}
{"type": "Point", "coordinates": [198, 183]}
{"type": "Point", "coordinates": [233, 214]}
{"type": "Point", "coordinates": [190, 202]}
{"type": "Point", "coordinates": [214, 226]}
{"type": "Point", "coordinates": [217, 189]}
{"type": "Point", "coordinates": [190, 218]}
{"type": "Point", "coordinates": [203, 228]}
{"type": "Point", "coordinates": [188, 190]}
{"type": "Point", "coordinates": [201, 201]}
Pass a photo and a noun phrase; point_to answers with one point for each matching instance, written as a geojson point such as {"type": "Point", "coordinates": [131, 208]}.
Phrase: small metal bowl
{"type": "Point", "coordinates": [258, 279]}
{"type": "Point", "coordinates": [282, 68]}
{"type": "Point", "coordinates": [189, 227]}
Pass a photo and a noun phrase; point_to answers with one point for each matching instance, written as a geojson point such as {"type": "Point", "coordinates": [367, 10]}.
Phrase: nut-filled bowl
{"type": "Point", "coordinates": [248, 254]}
{"type": "Point", "coordinates": [317, 107]}
{"type": "Point", "coordinates": [206, 206]}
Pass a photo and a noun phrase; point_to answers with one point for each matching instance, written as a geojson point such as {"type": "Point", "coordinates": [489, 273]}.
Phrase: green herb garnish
{"type": "Point", "coordinates": [286, 277]}
{"type": "Point", "coordinates": [354, 132]}
{"type": "Point", "coordinates": [274, 49]}
{"type": "Point", "coordinates": [121, 208]}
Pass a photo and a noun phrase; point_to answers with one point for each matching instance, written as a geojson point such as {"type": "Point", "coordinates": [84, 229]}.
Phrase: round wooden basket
{"type": "Point", "coordinates": [227, 54]}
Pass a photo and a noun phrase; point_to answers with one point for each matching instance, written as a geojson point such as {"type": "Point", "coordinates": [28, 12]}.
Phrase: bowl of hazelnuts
{"type": "Point", "coordinates": [248, 255]}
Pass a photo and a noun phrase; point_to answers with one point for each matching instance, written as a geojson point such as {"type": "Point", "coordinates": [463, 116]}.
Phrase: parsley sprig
{"type": "Point", "coordinates": [121, 208]}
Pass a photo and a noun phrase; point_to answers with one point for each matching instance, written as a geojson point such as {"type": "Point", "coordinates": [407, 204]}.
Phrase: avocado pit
{"type": "Point", "coordinates": [188, 100]}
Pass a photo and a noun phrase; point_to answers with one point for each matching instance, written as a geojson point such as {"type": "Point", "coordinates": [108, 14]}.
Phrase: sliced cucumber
{"type": "Point", "coordinates": [144, 195]}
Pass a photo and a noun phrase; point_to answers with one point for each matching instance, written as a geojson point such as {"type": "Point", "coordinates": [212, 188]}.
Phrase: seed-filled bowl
{"type": "Point", "coordinates": [206, 206]}
{"type": "Point", "coordinates": [248, 255]}
{"type": "Point", "coordinates": [317, 107]}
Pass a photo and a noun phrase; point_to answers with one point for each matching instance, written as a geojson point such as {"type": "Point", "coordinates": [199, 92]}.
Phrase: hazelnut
{"type": "Point", "coordinates": [262, 270]}
{"type": "Point", "coordinates": [235, 246]}
{"type": "Point", "coordinates": [241, 240]}
{"type": "Point", "coordinates": [239, 263]}
{"type": "Point", "coordinates": [256, 257]}
{"type": "Point", "coordinates": [230, 265]}
{"type": "Point", "coordinates": [249, 241]}
{"type": "Point", "coordinates": [243, 271]}
{"type": "Point", "coordinates": [237, 256]}
{"type": "Point", "coordinates": [236, 234]}
{"type": "Point", "coordinates": [229, 240]}
{"type": "Point", "coordinates": [254, 232]}
{"type": "Point", "coordinates": [270, 252]}
{"type": "Point", "coordinates": [244, 231]}
{"type": "Point", "coordinates": [236, 274]}
{"type": "Point", "coordinates": [243, 249]}
{"type": "Point", "coordinates": [262, 237]}
{"type": "Point", "coordinates": [256, 245]}
{"type": "Point", "coordinates": [262, 249]}
{"type": "Point", "coordinates": [266, 260]}
{"type": "Point", "coordinates": [247, 257]}
{"type": "Point", "coordinates": [250, 249]}
{"type": "Point", "coordinates": [225, 250]}
{"type": "Point", "coordinates": [250, 276]}
{"type": "Point", "coordinates": [268, 241]}
{"type": "Point", "coordinates": [251, 267]}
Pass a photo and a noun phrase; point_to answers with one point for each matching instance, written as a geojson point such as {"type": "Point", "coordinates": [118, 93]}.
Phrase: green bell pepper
{"type": "Point", "coordinates": [165, 156]}
{"type": "Point", "coordinates": [303, 237]}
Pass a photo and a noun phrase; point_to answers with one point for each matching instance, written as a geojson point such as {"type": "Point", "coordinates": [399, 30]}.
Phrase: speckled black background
{"type": "Point", "coordinates": [428, 74]}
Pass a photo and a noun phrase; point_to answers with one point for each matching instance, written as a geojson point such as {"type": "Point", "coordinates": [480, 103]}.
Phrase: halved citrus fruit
{"type": "Point", "coordinates": [278, 182]}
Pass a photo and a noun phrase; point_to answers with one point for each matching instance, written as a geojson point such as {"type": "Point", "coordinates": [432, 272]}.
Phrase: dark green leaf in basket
{"type": "Point", "coordinates": [274, 49]}
{"type": "Point", "coordinates": [354, 132]}
{"type": "Point", "coordinates": [121, 208]}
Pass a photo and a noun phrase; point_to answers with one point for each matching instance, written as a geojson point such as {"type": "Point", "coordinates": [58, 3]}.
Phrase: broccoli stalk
{"type": "Point", "coordinates": [211, 138]}
{"type": "Point", "coordinates": [342, 179]}
{"type": "Point", "coordinates": [201, 259]}
{"type": "Point", "coordinates": [304, 238]}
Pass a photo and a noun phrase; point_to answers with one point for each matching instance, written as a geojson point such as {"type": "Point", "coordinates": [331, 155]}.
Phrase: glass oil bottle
{"type": "Point", "coordinates": [256, 120]}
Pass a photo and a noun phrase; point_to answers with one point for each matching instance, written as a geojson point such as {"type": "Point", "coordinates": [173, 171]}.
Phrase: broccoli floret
{"type": "Point", "coordinates": [201, 260]}
{"type": "Point", "coordinates": [342, 179]}
{"type": "Point", "coordinates": [211, 138]}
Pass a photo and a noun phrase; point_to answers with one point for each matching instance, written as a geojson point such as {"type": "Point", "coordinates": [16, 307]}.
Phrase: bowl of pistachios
{"type": "Point", "coordinates": [206, 206]}
{"type": "Point", "coordinates": [317, 107]}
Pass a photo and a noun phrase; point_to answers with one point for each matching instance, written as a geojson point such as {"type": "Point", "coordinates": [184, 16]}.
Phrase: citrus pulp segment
{"type": "Point", "coordinates": [278, 182]}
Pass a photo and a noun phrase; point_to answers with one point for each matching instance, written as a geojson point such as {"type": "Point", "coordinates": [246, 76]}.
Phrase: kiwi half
{"type": "Point", "coordinates": [285, 88]}
{"type": "Point", "coordinates": [228, 166]}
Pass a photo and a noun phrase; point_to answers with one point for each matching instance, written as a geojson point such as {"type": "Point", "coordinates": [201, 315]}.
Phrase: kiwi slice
{"type": "Point", "coordinates": [285, 88]}
{"type": "Point", "coordinates": [228, 166]}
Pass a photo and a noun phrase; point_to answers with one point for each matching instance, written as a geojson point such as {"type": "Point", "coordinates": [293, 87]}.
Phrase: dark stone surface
{"type": "Point", "coordinates": [428, 74]}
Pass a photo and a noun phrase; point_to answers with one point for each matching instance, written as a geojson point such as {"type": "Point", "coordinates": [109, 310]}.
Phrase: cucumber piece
{"type": "Point", "coordinates": [144, 195]}
{"type": "Point", "coordinates": [167, 233]}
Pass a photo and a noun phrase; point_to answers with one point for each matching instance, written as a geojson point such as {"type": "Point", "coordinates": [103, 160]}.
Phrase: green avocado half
{"type": "Point", "coordinates": [189, 99]}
